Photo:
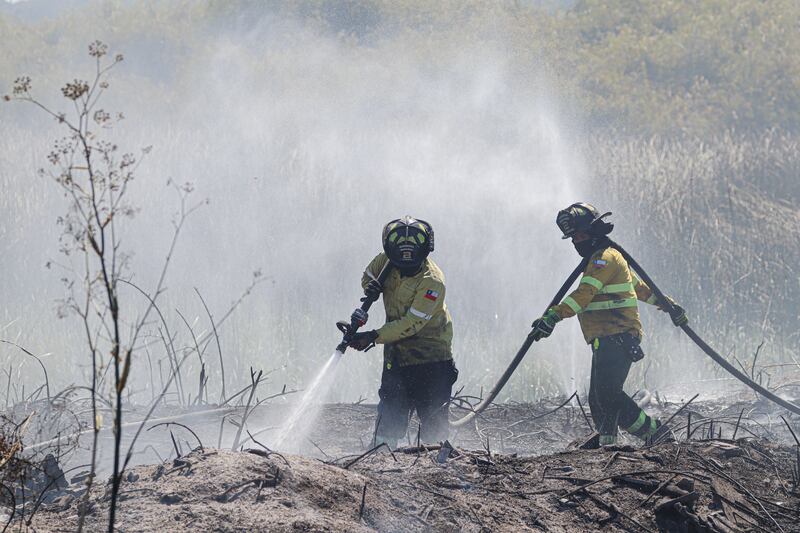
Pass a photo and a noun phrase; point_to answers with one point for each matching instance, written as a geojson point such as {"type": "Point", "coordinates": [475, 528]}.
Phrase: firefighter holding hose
{"type": "Point", "coordinates": [606, 302]}
{"type": "Point", "coordinates": [418, 369]}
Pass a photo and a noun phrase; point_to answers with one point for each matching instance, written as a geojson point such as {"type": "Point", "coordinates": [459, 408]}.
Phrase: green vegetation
{"type": "Point", "coordinates": [667, 67]}
{"type": "Point", "coordinates": [696, 66]}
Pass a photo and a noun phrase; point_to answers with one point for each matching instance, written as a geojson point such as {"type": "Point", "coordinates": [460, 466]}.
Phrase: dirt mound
{"type": "Point", "coordinates": [712, 485]}
{"type": "Point", "coordinates": [221, 490]}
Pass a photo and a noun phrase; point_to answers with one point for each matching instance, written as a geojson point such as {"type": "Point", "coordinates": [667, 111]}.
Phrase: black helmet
{"type": "Point", "coordinates": [582, 217]}
{"type": "Point", "coordinates": [407, 242]}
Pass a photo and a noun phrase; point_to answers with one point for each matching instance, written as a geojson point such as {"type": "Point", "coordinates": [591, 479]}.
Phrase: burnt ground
{"type": "Point", "coordinates": [512, 470]}
{"type": "Point", "coordinates": [710, 485]}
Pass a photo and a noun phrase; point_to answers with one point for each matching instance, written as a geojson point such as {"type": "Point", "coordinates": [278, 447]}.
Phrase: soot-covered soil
{"type": "Point", "coordinates": [708, 485]}
{"type": "Point", "coordinates": [734, 468]}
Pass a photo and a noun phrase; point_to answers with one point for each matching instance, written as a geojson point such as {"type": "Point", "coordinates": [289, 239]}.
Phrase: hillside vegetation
{"type": "Point", "coordinates": [641, 67]}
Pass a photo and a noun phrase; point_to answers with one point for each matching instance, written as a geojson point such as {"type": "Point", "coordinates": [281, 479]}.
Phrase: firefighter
{"type": "Point", "coordinates": [418, 369]}
{"type": "Point", "coordinates": [606, 302]}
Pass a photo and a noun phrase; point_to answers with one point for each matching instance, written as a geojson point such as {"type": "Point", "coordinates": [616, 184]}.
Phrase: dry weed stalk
{"type": "Point", "coordinates": [95, 176]}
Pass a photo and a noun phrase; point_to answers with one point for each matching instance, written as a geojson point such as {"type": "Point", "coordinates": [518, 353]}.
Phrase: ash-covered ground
{"type": "Point", "coordinates": [734, 467]}
{"type": "Point", "coordinates": [703, 485]}
{"type": "Point", "coordinates": [542, 428]}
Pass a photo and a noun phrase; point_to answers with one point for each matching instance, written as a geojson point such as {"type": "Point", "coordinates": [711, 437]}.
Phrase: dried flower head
{"type": "Point", "coordinates": [127, 160]}
{"type": "Point", "coordinates": [101, 117]}
{"type": "Point", "coordinates": [22, 86]}
{"type": "Point", "coordinates": [75, 89]}
{"type": "Point", "coordinates": [98, 49]}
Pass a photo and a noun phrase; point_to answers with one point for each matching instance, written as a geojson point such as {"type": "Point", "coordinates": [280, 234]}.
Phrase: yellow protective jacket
{"type": "Point", "coordinates": [418, 326]}
{"type": "Point", "coordinates": [606, 300]}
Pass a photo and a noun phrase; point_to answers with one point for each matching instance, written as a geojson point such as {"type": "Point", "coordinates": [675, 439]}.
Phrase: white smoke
{"type": "Point", "coordinates": [306, 143]}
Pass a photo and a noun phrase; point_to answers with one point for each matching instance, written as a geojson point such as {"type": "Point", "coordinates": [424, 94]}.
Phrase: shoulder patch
{"type": "Point", "coordinates": [600, 263]}
{"type": "Point", "coordinates": [432, 295]}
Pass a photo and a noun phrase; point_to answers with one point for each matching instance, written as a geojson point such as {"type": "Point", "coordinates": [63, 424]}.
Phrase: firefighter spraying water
{"type": "Point", "coordinates": [418, 369]}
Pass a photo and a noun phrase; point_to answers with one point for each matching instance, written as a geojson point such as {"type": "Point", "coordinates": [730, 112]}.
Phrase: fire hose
{"type": "Point", "coordinates": [709, 351]}
{"type": "Point", "coordinates": [663, 302]}
{"type": "Point", "coordinates": [521, 352]}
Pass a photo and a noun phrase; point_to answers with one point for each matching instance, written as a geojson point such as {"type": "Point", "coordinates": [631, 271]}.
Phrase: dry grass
{"type": "Point", "coordinates": [715, 223]}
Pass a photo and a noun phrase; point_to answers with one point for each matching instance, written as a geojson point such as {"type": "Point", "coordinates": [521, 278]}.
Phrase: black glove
{"type": "Point", "coordinates": [372, 291]}
{"type": "Point", "coordinates": [543, 327]}
{"type": "Point", "coordinates": [678, 315]}
{"type": "Point", "coordinates": [363, 341]}
{"type": "Point", "coordinates": [359, 317]}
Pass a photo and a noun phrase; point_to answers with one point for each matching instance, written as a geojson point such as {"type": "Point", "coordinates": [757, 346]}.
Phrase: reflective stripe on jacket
{"type": "Point", "coordinates": [606, 300]}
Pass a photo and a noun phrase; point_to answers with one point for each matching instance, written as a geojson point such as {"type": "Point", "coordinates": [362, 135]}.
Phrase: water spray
{"type": "Point", "coordinates": [521, 352]}
{"type": "Point", "coordinates": [301, 418]}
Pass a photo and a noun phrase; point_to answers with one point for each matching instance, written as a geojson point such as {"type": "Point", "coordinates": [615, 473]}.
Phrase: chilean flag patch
{"type": "Point", "coordinates": [432, 295]}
